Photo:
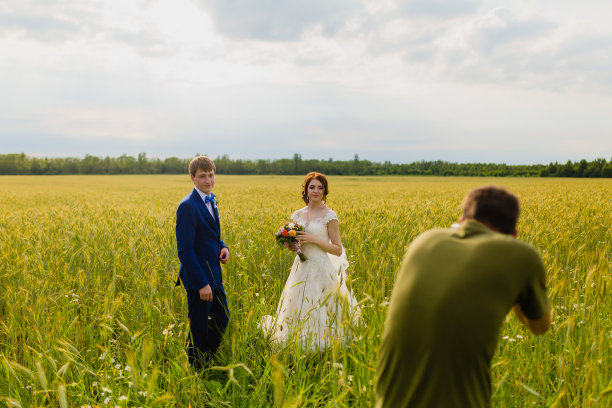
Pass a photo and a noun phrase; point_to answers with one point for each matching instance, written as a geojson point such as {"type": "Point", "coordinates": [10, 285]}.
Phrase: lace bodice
{"type": "Point", "coordinates": [317, 226]}
{"type": "Point", "coordinates": [314, 225]}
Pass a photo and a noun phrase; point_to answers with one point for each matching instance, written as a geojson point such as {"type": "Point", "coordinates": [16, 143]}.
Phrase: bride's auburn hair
{"type": "Point", "coordinates": [311, 176]}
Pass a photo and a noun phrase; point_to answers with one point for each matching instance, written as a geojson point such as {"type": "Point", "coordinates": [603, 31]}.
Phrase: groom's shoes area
{"type": "Point", "coordinates": [212, 372]}
{"type": "Point", "coordinates": [202, 362]}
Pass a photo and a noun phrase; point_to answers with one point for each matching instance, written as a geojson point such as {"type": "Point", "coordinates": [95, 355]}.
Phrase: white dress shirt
{"type": "Point", "coordinates": [208, 205]}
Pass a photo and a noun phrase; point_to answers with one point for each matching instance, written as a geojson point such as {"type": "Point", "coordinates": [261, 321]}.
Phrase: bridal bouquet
{"type": "Point", "coordinates": [286, 236]}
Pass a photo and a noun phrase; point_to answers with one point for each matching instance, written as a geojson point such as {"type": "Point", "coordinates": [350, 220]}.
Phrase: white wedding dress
{"type": "Point", "coordinates": [316, 307]}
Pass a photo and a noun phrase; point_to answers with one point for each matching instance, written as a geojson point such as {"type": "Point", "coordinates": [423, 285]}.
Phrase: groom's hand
{"type": "Point", "coordinates": [206, 294]}
{"type": "Point", "coordinates": [224, 255]}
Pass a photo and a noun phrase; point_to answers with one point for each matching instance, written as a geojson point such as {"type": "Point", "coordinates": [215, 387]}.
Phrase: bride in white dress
{"type": "Point", "coordinates": [316, 307]}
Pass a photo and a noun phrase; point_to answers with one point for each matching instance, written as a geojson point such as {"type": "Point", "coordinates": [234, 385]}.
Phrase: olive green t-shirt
{"type": "Point", "coordinates": [452, 293]}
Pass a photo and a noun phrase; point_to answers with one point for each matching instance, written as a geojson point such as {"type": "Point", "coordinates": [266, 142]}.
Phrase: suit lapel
{"type": "Point", "coordinates": [207, 215]}
{"type": "Point", "coordinates": [216, 216]}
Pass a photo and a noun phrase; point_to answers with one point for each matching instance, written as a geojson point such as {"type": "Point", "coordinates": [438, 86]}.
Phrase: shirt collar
{"type": "Point", "coordinates": [470, 228]}
{"type": "Point", "coordinates": [202, 194]}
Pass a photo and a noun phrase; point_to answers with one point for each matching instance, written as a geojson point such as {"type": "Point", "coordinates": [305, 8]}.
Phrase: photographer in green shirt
{"type": "Point", "coordinates": [452, 293]}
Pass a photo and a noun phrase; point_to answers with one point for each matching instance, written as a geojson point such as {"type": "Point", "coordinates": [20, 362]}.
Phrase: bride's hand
{"type": "Point", "coordinates": [306, 238]}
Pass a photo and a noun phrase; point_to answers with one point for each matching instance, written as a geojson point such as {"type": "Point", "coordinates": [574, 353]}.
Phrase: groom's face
{"type": "Point", "coordinates": [204, 180]}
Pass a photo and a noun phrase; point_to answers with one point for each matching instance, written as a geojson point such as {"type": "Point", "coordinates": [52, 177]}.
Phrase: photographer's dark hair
{"type": "Point", "coordinates": [493, 206]}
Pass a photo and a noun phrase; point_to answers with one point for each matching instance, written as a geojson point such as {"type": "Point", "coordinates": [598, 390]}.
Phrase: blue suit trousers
{"type": "Point", "coordinates": [207, 321]}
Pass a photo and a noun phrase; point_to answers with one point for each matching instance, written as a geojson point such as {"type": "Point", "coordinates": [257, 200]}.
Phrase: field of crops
{"type": "Point", "coordinates": [89, 315]}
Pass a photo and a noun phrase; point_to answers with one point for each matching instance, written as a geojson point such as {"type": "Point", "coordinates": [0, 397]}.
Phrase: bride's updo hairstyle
{"type": "Point", "coordinates": [309, 177]}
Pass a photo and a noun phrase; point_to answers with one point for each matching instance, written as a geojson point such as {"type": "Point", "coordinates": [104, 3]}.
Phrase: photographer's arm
{"type": "Point", "coordinates": [537, 327]}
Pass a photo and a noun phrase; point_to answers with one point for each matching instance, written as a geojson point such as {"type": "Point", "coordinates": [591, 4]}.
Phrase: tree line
{"type": "Point", "coordinates": [22, 164]}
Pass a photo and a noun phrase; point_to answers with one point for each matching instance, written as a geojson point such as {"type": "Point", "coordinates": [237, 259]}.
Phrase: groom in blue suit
{"type": "Point", "coordinates": [200, 250]}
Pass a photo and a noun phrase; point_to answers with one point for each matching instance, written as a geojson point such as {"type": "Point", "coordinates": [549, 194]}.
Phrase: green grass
{"type": "Point", "coordinates": [89, 314]}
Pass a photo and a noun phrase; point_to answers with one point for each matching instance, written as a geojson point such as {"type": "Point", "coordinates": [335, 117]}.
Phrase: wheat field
{"type": "Point", "coordinates": [90, 317]}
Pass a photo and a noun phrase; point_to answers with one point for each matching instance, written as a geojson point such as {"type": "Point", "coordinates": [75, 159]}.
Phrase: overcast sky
{"type": "Point", "coordinates": [402, 80]}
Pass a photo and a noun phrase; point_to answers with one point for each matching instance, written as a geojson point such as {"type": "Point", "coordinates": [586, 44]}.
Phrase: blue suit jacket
{"type": "Point", "coordinates": [198, 241]}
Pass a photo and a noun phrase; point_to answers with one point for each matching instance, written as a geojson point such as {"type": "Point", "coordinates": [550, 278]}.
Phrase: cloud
{"type": "Point", "coordinates": [530, 52]}
{"type": "Point", "coordinates": [146, 41]}
{"type": "Point", "coordinates": [504, 48]}
{"type": "Point", "coordinates": [585, 63]}
{"type": "Point", "coordinates": [63, 21]}
{"type": "Point", "coordinates": [437, 8]}
{"type": "Point", "coordinates": [46, 21]}
{"type": "Point", "coordinates": [501, 27]}
{"type": "Point", "coordinates": [272, 20]}
{"type": "Point", "coordinates": [454, 41]}
{"type": "Point", "coordinates": [387, 79]}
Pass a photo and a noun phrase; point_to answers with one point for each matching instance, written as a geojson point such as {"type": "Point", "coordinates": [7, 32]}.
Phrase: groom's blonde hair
{"type": "Point", "coordinates": [203, 163]}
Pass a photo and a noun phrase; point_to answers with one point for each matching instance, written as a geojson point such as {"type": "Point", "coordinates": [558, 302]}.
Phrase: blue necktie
{"type": "Point", "coordinates": [210, 199]}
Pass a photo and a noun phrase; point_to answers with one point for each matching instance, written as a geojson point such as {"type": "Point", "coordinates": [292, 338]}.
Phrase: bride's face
{"type": "Point", "coordinates": [316, 191]}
